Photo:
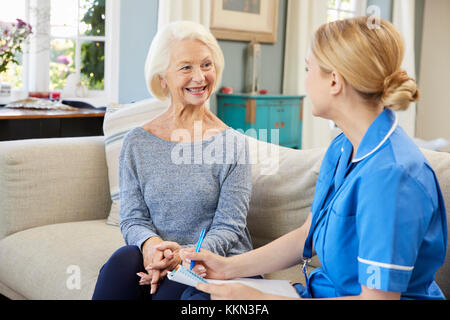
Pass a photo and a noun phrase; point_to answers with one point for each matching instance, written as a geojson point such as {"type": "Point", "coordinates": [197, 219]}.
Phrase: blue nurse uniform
{"type": "Point", "coordinates": [379, 219]}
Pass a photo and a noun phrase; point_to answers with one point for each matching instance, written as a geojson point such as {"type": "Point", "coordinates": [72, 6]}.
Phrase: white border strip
{"type": "Point", "coordinates": [394, 126]}
{"type": "Point", "coordinates": [386, 265]}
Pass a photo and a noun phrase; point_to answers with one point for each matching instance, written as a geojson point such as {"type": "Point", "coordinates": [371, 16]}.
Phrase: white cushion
{"type": "Point", "coordinates": [116, 125]}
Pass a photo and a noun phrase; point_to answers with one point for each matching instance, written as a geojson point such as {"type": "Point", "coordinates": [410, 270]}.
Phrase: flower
{"type": "Point", "coordinates": [64, 60]}
{"type": "Point", "coordinates": [12, 34]}
{"type": "Point", "coordinates": [20, 22]}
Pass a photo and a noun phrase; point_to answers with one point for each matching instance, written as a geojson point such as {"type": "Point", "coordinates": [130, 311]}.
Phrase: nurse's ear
{"type": "Point", "coordinates": [337, 83]}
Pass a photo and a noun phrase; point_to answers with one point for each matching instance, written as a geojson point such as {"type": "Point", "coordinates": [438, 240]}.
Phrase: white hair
{"type": "Point", "coordinates": [158, 57]}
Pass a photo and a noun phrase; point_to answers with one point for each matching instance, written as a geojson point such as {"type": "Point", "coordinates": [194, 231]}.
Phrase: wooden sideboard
{"type": "Point", "coordinates": [17, 124]}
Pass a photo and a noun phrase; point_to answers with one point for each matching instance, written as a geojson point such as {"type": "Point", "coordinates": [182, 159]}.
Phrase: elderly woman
{"type": "Point", "coordinates": [175, 173]}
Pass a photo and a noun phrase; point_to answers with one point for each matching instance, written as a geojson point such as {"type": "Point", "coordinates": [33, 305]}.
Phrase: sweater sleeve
{"type": "Point", "coordinates": [230, 220]}
{"type": "Point", "coordinates": [135, 222]}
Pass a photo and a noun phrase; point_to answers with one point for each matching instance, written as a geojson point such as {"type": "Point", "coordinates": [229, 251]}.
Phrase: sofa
{"type": "Point", "coordinates": [55, 200]}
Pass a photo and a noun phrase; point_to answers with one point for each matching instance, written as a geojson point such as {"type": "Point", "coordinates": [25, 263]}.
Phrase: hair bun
{"type": "Point", "coordinates": [399, 91]}
{"type": "Point", "coordinates": [395, 79]}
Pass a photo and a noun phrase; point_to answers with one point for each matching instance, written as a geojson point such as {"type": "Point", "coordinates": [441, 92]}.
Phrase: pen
{"type": "Point", "coordinates": [199, 245]}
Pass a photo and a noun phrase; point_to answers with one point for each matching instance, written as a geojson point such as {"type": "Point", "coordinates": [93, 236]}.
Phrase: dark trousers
{"type": "Point", "coordinates": [118, 279]}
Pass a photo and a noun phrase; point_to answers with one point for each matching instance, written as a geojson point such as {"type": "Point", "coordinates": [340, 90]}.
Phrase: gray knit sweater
{"type": "Point", "coordinates": [173, 190]}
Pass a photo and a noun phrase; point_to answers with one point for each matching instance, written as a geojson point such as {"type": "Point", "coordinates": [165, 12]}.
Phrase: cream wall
{"type": "Point", "coordinates": [433, 111]}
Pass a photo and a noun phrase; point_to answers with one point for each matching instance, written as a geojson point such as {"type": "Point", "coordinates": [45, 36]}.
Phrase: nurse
{"type": "Point", "coordinates": [378, 221]}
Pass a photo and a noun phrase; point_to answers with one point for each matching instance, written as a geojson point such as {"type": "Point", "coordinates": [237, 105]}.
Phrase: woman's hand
{"type": "Point", "coordinates": [207, 264]}
{"type": "Point", "coordinates": [157, 262]}
{"type": "Point", "coordinates": [171, 258]}
{"type": "Point", "coordinates": [232, 291]}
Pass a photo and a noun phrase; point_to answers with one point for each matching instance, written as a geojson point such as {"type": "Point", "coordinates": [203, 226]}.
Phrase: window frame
{"type": "Point", "coordinates": [359, 10]}
{"type": "Point", "coordinates": [35, 76]}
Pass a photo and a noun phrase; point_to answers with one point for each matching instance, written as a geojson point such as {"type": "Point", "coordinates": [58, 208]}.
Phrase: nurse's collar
{"type": "Point", "coordinates": [377, 134]}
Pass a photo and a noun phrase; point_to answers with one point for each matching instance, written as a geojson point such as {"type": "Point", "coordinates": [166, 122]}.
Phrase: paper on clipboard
{"type": "Point", "coordinates": [276, 287]}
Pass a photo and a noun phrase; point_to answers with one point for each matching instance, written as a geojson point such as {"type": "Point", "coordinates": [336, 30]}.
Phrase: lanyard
{"type": "Point", "coordinates": [307, 249]}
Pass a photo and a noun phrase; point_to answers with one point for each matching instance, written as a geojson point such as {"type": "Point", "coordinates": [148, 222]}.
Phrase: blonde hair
{"type": "Point", "coordinates": [369, 58]}
{"type": "Point", "coordinates": [158, 57]}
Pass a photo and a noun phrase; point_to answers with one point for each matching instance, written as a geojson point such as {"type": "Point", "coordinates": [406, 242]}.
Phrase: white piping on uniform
{"type": "Point", "coordinates": [386, 265]}
{"type": "Point", "coordinates": [394, 126]}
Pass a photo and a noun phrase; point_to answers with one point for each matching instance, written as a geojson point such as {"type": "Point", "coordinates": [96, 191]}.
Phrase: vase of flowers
{"type": "Point", "coordinates": [12, 36]}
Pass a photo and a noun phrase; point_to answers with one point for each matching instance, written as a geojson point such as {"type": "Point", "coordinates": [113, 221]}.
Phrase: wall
{"type": "Point", "coordinates": [272, 61]}
{"type": "Point", "coordinates": [420, 8]}
{"type": "Point", "coordinates": [138, 25]}
{"type": "Point", "coordinates": [434, 106]}
{"type": "Point", "coordinates": [384, 5]}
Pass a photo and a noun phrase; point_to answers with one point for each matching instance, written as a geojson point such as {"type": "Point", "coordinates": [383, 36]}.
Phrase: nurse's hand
{"type": "Point", "coordinates": [208, 264]}
{"type": "Point", "coordinates": [232, 291]}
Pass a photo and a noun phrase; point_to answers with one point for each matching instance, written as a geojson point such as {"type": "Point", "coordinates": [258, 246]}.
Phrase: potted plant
{"type": "Point", "coordinates": [12, 35]}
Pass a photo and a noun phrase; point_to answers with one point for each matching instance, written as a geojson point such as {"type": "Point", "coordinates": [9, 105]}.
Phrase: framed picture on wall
{"type": "Point", "coordinates": [245, 20]}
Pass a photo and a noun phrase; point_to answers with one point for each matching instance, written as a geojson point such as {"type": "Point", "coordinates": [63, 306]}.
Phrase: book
{"type": "Point", "coordinates": [276, 287]}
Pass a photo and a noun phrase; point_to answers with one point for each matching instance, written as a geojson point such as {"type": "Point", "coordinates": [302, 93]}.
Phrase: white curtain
{"type": "Point", "coordinates": [39, 57]}
{"type": "Point", "coordinates": [403, 19]}
{"type": "Point", "coordinates": [303, 18]}
{"type": "Point", "coordinates": [192, 10]}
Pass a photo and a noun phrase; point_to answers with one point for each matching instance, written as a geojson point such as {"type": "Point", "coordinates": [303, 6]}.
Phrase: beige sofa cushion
{"type": "Point", "coordinates": [47, 181]}
{"type": "Point", "coordinates": [39, 262]}
{"type": "Point", "coordinates": [283, 190]}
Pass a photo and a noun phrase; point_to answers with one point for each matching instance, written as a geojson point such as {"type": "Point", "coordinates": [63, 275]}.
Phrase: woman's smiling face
{"type": "Point", "coordinates": [191, 74]}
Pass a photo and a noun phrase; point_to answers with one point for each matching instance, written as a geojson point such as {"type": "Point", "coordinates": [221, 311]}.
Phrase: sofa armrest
{"type": "Point", "coordinates": [47, 181]}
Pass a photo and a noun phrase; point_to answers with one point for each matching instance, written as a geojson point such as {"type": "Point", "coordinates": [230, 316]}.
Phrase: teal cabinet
{"type": "Point", "coordinates": [271, 118]}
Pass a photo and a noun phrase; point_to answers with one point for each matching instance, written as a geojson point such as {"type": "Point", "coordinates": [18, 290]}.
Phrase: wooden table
{"type": "Point", "coordinates": [16, 124]}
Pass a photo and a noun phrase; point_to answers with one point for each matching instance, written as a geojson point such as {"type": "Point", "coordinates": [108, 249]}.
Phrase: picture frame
{"type": "Point", "coordinates": [245, 20]}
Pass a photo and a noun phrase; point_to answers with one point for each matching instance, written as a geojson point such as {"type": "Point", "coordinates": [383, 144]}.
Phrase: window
{"type": "Point", "coordinates": [71, 39]}
{"type": "Point", "coordinates": [343, 9]}
{"type": "Point", "coordinates": [77, 42]}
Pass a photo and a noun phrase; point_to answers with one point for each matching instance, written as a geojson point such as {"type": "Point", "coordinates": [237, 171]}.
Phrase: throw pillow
{"type": "Point", "coordinates": [117, 123]}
